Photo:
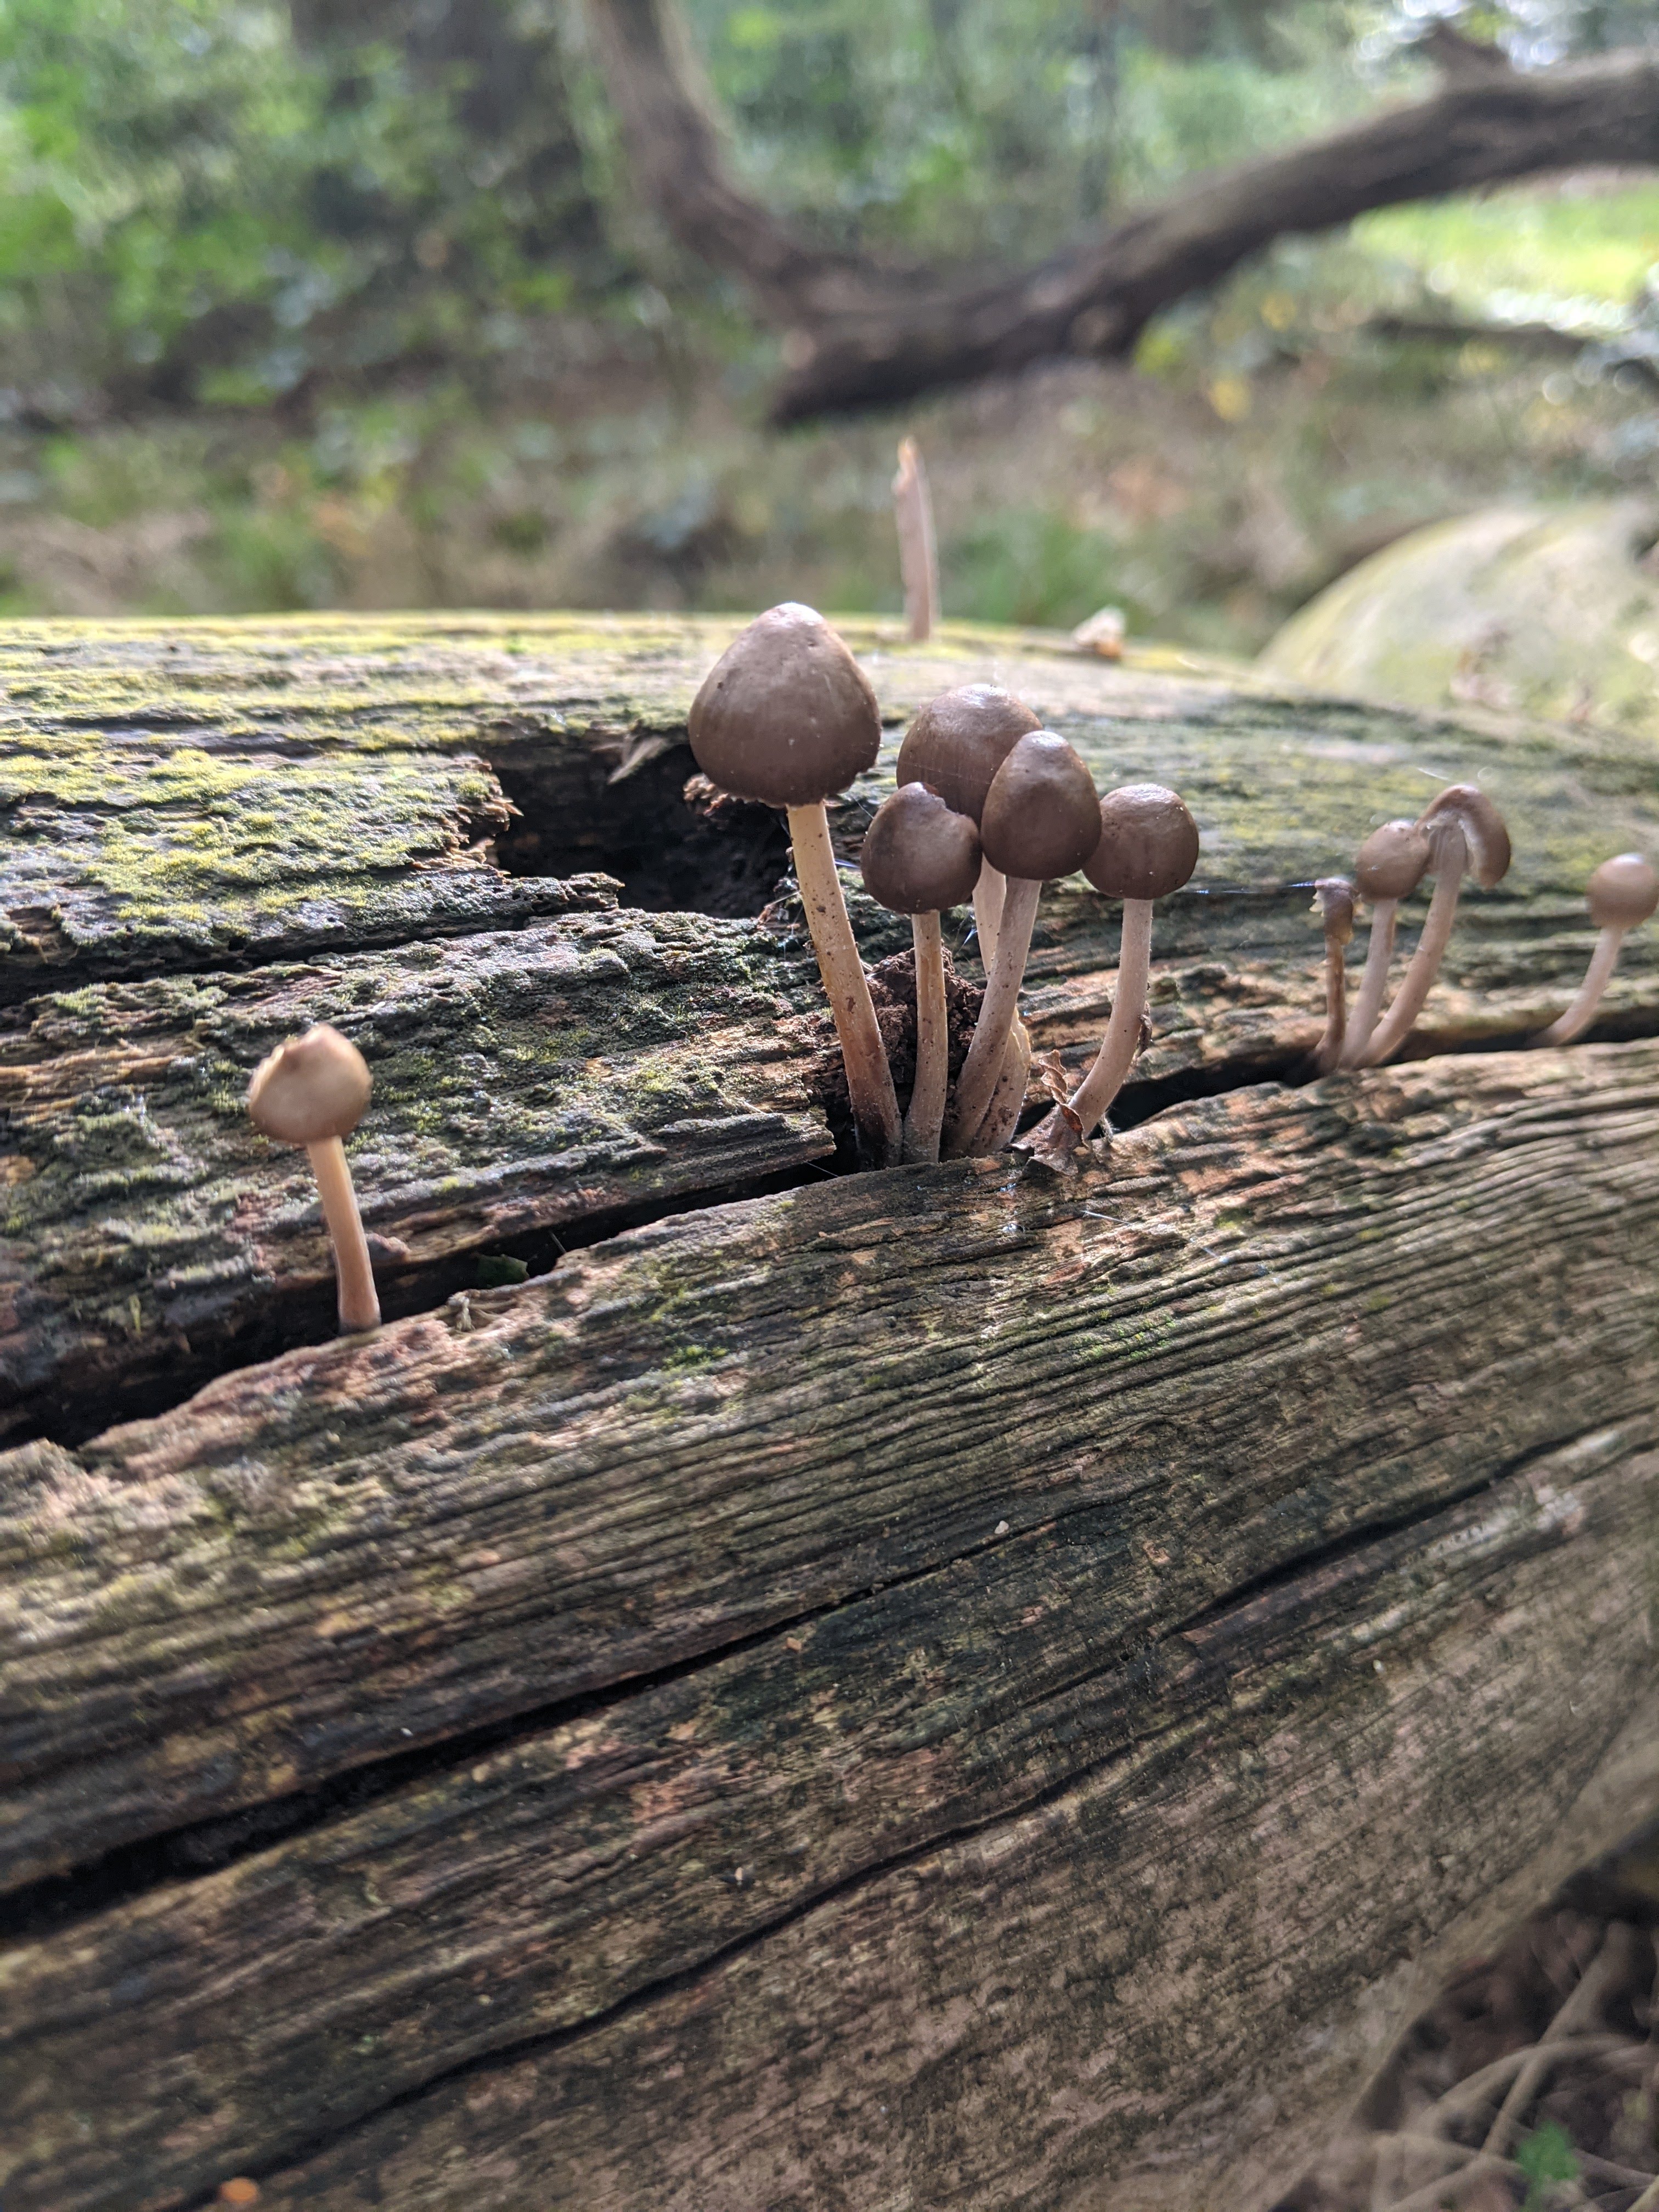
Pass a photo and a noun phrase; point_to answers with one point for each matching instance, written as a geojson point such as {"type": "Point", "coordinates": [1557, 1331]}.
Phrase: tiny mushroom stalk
{"type": "Point", "coordinates": [1465, 831]}
{"type": "Point", "coordinates": [1333, 904]}
{"type": "Point", "coordinates": [787, 717]}
{"type": "Point", "coordinates": [313, 1092]}
{"type": "Point", "coordinates": [955, 746]}
{"type": "Point", "coordinates": [913, 512]}
{"type": "Point", "coordinates": [1623, 893]}
{"type": "Point", "coordinates": [919, 859]}
{"type": "Point", "coordinates": [1391, 862]}
{"type": "Point", "coordinates": [1040, 820]}
{"type": "Point", "coordinates": [1148, 848]}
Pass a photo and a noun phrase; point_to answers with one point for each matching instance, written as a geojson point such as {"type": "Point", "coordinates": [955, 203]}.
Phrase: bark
{"type": "Point", "coordinates": [858, 334]}
{"type": "Point", "coordinates": [949, 1683]}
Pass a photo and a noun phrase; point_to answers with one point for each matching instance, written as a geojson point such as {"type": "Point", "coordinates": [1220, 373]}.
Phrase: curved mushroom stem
{"type": "Point", "coordinates": [1451, 858]}
{"type": "Point", "coordinates": [1002, 1115]}
{"type": "Point", "coordinates": [360, 1305]}
{"type": "Point", "coordinates": [913, 512]}
{"type": "Point", "coordinates": [1093, 1096]}
{"type": "Point", "coordinates": [983, 1064]}
{"type": "Point", "coordinates": [1373, 983]}
{"type": "Point", "coordinates": [1579, 1015]}
{"type": "Point", "coordinates": [925, 1115]}
{"type": "Point", "coordinates": [869, 1078]}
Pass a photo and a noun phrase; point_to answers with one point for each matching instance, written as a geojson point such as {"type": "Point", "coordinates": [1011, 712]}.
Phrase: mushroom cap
{"type": "Point", "coordinates": [918, 856]}
{"type": "Point", "coordinates": [1482, 825]}
{"type": "Point", "coordinates": [1333, 904]}
{"type": "Point", "coordinates": [1148, 843]}
{"type": "Point", "coordinates": [312, 1087]}
{"type": "Point", "coordinates": [1391, 862]}
{"type": "Point", "coordinates": [785, 715]}
{"type": "Point", "coordinates": [958, 742]}
{"type": "Point", "coordinates": [1041, 819]}
{"type": "Point", "coordinates": [1623, 892]}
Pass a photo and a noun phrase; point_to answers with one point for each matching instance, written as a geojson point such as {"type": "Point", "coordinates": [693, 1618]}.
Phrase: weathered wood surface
{"type": "Point", "coordinates": [567, 1073]}
{"type": "Point", "coordinates": [974, 1594]}
{"type": "Point", "coordinates": [949, 1686]}
{"type": "Point", "coordinates": [176, 797]}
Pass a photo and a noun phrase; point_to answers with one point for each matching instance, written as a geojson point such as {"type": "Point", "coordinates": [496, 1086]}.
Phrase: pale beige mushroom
{"type": "Point", "coordinates": [313, 1092]}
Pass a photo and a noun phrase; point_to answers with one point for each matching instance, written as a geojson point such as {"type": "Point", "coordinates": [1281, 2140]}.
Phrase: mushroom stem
{"type": "Point", "coordinates": [1093, 1096]}
{"type": "Point", "coordinates": [1373, 983]}
{"type": "Point", "coordinates": [912, 511]}
{"type": "Point", "coordinates": [1579, 1015]}
{"type": "Point", "coordinates": [1451, 859]}
{"type": "Point", "coordinates": [998, 1125]}
{"type": "Point", "coordinates": [360, 1305]}
{"type": "Point", "coordinates": [980, 1071]}
{"type": "Point", "coordinates": [925, 1115]}
{"type": "Point", "coordinates": [869, 1078]}
{"type": "Point", "coordinates": [1333, 904]}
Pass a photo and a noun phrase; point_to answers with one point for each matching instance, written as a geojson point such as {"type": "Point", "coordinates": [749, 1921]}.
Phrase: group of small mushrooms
{"type": "Point", "coordinates": [989, 807]}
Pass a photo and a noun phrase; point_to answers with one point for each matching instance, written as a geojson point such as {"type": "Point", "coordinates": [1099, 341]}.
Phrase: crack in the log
{"type": "Point", "coordinates": [1619, 1443]}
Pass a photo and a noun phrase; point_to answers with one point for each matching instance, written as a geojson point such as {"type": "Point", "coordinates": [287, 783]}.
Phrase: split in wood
{"type": "Point", "coordinates": [313, 1092]}
{"type": "Point", "coordinates": [1622, 893]}
{"type": "Point", "coordinates": [787, 717]}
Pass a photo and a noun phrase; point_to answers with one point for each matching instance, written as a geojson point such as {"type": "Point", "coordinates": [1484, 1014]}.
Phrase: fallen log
{"type": "Point", "coordinates": [950, 1683]}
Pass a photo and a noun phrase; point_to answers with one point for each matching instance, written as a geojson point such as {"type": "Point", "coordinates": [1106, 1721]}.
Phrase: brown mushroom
{"type": "Point", "coordinates": [1622, 893]}
{"type": "Point", "coordinates": [1465, 831]}
{"type": "Point", "coordinates": [1333, 904]}
{"type": "Point", "coordinates": [956, 745]}
{"type": "Point", "coordinates": [920, 859]}
{"type": "Point", "coordinates": [1148, 848]}
{"type": "Point", "coordinates": [313, 1092]}
{"type": "Point", "coordinates": [787, 717]}
{"type": "Point", "coordinates": [1391, 862]}
{"type": "Point", "coordinates": [1041, 819]}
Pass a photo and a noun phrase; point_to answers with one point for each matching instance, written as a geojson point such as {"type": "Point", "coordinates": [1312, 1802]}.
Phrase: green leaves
{"type": "Point", "coordinates": [1546, 2155]}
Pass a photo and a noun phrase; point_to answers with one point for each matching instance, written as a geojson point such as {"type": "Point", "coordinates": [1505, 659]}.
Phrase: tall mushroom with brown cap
{"type": "Point", "coordinates": [1041, 819]}
{"type": "Point", "coordinates": [1465, 832]}
{"type": "Point", "coordinates": [955, 746]}
{"type": "Point", "coordinates": [313, 1092]}
{"type": "Point", "coordinates": [1333, 904]}
{"type": "Point", "coordinates": [1621, 894]}
{"type": "Point", "coordinates": [787, 717]}
{"type": "Point", "coordinates": [1148, 848]}
{"type": "Point", "coordinates": [919, 859]}
{"type": "Point", "coordinates": [1391, 862]}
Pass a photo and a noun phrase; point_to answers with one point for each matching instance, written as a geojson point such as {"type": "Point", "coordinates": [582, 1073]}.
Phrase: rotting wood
{"type": "Point", "coordinates": [563, 1073]}
{"type": "Point", "coordinates": [993, 1568]}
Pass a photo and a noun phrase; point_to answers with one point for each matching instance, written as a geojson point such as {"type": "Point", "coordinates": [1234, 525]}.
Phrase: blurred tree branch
{"type": "Point", "coordinates": [858, 333]}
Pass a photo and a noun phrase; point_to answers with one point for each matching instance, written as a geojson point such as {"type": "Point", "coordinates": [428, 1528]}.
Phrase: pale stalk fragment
{"type": "Point", "coordinates": [1396, 1025]}
{"type": "Point", "coordinates": [1334, 903]}
{"type": "Point", "coordinates": [1373, 983]}
{"type": "Point", "coordinates": [1002, 1115]}
{"type": "Point", "coordinates": [869, 1078]}
{"type": "Point", "coordinates": [1091, 1101]}
{"type": "Point", "coordinates": [360, 1304]}
{"type": "Point", "coordinates": [913, 512]}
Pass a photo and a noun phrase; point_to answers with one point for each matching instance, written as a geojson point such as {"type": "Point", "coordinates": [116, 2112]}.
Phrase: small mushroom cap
{"type": "Point", "coordinates": [1333, 904]}
{"type": "Point", "coordinates": [785, 715]}
{"type": "Point", "coordinates": [918, 856]}
{"type": "Point", "coordinates": [1622, 892]}
{"type": "Point", "coordinates": [313, 1087]}
{"type": "Point", "coordinates": [958, 742]}
{"type": "Point", "coordinates": [1041, 819]}
{"type": "Point", "coordinates": [1148, 843]}
{"type": "Point", "coordinates": [1482, 825]}
{"type": "Point", "coordinates": [1391, 862]}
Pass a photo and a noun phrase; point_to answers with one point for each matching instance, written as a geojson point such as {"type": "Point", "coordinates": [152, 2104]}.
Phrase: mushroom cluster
{"type": "Point", "coordinates": [989, 807]}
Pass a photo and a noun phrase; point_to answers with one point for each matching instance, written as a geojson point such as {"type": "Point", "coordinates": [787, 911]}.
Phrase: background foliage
{"type": "Point", "coordinates": [348, 302]}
